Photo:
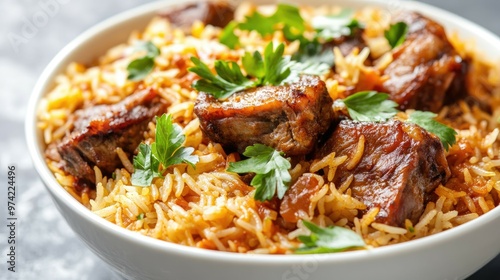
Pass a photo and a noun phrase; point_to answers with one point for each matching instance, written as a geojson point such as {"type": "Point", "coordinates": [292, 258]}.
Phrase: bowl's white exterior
{"type": "Point", "coordinates": [454, 254]}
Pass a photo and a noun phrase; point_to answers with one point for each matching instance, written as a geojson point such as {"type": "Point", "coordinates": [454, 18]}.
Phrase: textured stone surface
{"type": "Point", "coordinates": [47, 247]}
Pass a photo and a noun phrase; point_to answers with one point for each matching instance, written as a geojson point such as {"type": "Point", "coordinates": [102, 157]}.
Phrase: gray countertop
{"type": "Point", "coordinates": [46, 247]}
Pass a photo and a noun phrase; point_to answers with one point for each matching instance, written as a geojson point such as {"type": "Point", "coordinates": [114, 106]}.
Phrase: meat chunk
{"type": "Point", "coordinates": [425, 66]}
{"type": "Point", "coordinates": [289, 118]}
{"type": "Point", "coordinates": [297, 199]}
{"type": "Point", "coordinates": [99, 130]}
{"type": "Point", "coordinates": [400, 166]}
{"type": "Point", "coordinates": [209, 12]}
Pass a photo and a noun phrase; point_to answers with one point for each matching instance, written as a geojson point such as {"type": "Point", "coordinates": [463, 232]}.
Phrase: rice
{"type": "Point", "coordinates": [206, 206]}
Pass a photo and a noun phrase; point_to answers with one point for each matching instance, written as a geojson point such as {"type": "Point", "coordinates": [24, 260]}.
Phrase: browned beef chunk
{"type": "Point", "coordinates": [99, 130]}
{"type": "Point", "coordinates": [209, 12]}
{"type": "Point", "coordinates": [401, 165]}
{"type": "Point", "coordinates": [298, 198]}
{"type": "Point", "coordinates": [289, 118]}
{"type": "Point", "coordinates": [422, 75]}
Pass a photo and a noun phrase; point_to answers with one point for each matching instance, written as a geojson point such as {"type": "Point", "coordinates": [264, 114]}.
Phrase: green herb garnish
{"type": "Point", "coordinates": [140, 216]}
{"type": "Point", "coordinates": [271, 170]}
{"type": "Point", "coordinates": [370, 106]}
{"type": "Point", "coordinates": [167, 150]}
{"type": "Point", "coordinates": [139, 68]}
{"type": "Point", "coordinates": [396, 34]}
{"type": "Point", "coordinates": [426, 120]}
{"type": "Point", "coordinates": [328, 240]}
{"type": "Point", "coordinates": [272, 68]}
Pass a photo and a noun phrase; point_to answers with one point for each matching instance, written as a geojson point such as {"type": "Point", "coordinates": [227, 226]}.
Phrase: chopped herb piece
{"type": "Point", "coordinates": [370, 106]}
{"type": "Point", "coordinates": [167, 150]}
{"type": "Point", "coordinates": [227, 37]}
{"type": "Point", "coordinates": [140, 216]}
{"type": "Point", "coordinates": [426, 120]}
{"type": "Point", "coordinates": [411, 229]}
{"type": "Point", "coordinates": [396, 34]}
{"type": "Point", "coordinates": [139, 68]}
{"type": "Point", "coordinates": [328, 240]}
{"type": "Point", "coordinates": [271, 170]}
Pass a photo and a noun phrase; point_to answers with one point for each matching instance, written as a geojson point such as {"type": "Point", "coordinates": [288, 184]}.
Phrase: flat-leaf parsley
{"type": "Point", "coordinates": [167, 150]}
{"type": "Point", "coordinates": [271, 169]}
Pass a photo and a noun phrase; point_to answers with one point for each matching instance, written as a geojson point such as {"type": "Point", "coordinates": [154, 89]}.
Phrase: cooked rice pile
{"type": "Point", "coordinates": [209, 208]}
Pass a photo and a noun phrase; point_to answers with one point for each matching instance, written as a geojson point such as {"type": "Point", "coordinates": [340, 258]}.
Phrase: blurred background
{"type": "Point", "coordinates": [47, 247]}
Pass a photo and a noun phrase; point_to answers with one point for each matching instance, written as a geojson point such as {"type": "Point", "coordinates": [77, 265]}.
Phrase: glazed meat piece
{"type": "Point", "coordinates": [298, 197]}
{"type": "Point", "coordinates": [425, 66]}
{"type": "Point", "coordinates": [209, 12]}
{"type": "Point", "coordinates": [99, 130]}
{"type": "Point", "coordinates": [289, 118]}
{"type": "Point", "coordinates": [400, 166]}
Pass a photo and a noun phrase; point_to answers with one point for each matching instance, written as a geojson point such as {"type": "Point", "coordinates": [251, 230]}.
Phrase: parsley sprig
{"type": "Point", "coordinates": [271, 169]}
{"type": "Point", "coordinates": [396, 34]}
{"type": "Point", "coordinates": [153, 159]}
{"type": "Point", "coordinates": [328, 240]}
{"type": "Point", "coordinates": [426, 120]}
{"type": "Point", "coordinates": [271, 68]}
{"type": "Point", "coordinates": [228, 80]}
{"type": "Point", "coordinates": [139, 68]}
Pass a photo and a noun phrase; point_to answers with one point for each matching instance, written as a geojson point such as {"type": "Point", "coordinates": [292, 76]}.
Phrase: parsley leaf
{"type": "Point", "coordinates": [396, 34]}
{"type": "Point", "coordinates": [228, 80]}
{"type": "Point", "coordinates": [271, 170]}
{"type": "Point", "coordinates": [168, 145]}
{"type": "Point", "coordinates": [227, 37]}
{"type": "Point", "coordinates": [145, 166]}
{"type": "Point", "coordinates": [426, 120]}
{"type": "Point", "coordinates": [370, 106]}
{"type": "Point", "coordinates": [139, 68]}
{"type": "Point", "coordinates": [167, 150]}
{"type": "Point", "coordinates": [328, 240]}
{"type": "Point", "coordinates": [272, 69]}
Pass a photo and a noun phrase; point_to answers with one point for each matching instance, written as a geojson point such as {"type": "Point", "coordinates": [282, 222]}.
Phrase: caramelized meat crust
{"type": "Point", "coordinates": [99, 130]}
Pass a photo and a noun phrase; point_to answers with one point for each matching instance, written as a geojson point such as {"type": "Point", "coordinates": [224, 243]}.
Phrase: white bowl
{"type": "Point", "coordinates": [453, 254]}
